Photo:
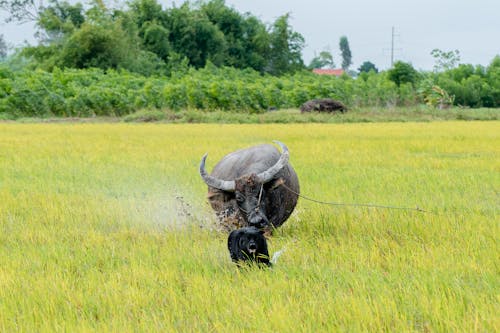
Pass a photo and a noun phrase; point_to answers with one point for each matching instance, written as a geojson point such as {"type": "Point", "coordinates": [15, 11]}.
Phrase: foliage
{"type": "Point", "coordinates": [345, 52]}
{"type": "Point", "coordinates": [106, 228]}
{"type": "Point", "coordinates": [92, 92]}
{"type": "Point", "coordinates": [3, 48]}
{"type": "Point", "coordinates": [155, 39]}
{"type": "Point", "coordinates": [323, 60]}
{"type": "Point", "coordinates": [59, 20]}
{"type": "Point", "coordinates": [201, 32]}
{"type": "Point", "coordinates": [246, 38]}
{"type": "Point", "coordinates": [193, 35]}
{"type": "Point", "coordinates": [473, 86]}
{"type": "Point", "coordinates": [421, 113]}
{"type": "Point", "coordinates": [493, 80]}
{"type": "Point", "coordinates": [434, 95]}
{"type": "Point", "coordinates": [445, 60]}
{"type": "Point", "coordinates": [403, 72]}
{"type": "Point", "coordinates": [96, 46]}
{"type": "Point", "coordinates": [22, 10]}
{"type": "Point", "coordinates": [367, 66]}
{"type": "Point", "coordinates": [285, 48]}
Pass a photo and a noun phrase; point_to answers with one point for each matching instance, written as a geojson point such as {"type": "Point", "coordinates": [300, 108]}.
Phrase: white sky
{"type": "Point", "coordinates": [472, 27]}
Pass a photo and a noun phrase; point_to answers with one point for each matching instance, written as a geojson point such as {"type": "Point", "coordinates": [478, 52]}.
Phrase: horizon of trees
{"type": "Point", "coordinates": [152, 41]}
{"type": "Point", "coordinates": [145, 38]}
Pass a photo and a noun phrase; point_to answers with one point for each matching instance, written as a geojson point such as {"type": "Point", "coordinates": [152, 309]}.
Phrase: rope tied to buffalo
{"type": "Point", "coordinates": [418, 209]}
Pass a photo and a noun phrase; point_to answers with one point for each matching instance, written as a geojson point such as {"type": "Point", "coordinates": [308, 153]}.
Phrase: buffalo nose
{"type": "Point", "coordinates": [259, 224]}
{"type": "Point", "coordinates": [258, 220]}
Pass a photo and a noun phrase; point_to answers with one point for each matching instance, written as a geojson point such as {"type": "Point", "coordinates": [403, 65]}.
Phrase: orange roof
{"type": "Point", "coordinates": [336, 72]}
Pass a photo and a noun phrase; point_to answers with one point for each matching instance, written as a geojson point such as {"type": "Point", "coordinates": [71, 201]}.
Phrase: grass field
{"type": "Point", "coordinates": [420, 113]}
{"type": "Point", "coordinates": [105, 227]}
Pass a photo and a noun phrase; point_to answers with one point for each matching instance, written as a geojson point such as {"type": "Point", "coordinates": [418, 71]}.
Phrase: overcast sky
{"type": "Point", "coordinates": [472, 27]}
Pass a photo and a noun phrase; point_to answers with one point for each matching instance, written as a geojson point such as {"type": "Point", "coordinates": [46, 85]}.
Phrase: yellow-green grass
{"type": "Point", "coordinates": [106, 227]}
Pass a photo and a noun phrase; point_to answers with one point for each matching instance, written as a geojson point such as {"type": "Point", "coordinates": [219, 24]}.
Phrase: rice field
{"type": "Point", "coordinates": [105, 227]}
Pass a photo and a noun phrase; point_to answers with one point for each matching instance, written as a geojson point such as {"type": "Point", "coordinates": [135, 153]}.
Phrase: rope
{"type": "Point", "coordinates": [353, 204]}
{"type": "Point", "coordinates": [260, 195]}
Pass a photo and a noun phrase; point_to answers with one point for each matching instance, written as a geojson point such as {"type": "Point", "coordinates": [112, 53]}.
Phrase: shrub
{"type": "Point", "coordinates": [403, 72]}
{"type": "Point", "coordinates": [90, 92]}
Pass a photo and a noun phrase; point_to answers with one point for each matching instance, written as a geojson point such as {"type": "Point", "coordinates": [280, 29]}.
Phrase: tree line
{"type": "Point", "coordinates": [204, 55]}
{"type": "Point", "coordinates": [98, 92]}
{"type": "Point", "coordinates": [148, 39]}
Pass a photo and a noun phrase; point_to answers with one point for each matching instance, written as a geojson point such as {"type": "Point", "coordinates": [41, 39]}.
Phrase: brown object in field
{"type": "Point", "coordinates": [323, 105]}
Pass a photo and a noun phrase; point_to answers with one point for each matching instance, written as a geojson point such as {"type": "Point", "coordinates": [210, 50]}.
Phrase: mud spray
{"type": "Point", "coordinates": [168, 208]}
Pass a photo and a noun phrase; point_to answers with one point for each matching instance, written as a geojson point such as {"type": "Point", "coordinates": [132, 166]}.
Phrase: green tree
{"type": "Point", "coordinates": [59, 20]}
{"type": "Point", "coordinates": [473, 86]}
{"type": "Point", "coordinates": [149, 20]}
{"type": "Point", "coordinates": [96, 45]}
{"type": "Point", "coordinates": [3, 48]}
{"type": "Point", "coordinates": [460, 73]}
{"type": "Point", "coordinates": [445, 60]}
{"type": "Point", "coordinates": [230, 23]}
{"type": "Point", "coordinates": [402, 72]}
{"type": "Point", "coordinates": [194, 36]}
{"type": "Point", "coordinates": [155, 39]}
{"type": "Point", "coordinates": [52, 21]}
{"type": "Point", "coordinates": [22, 11]}
{"type": "Point", "coordinates": [367, 66]}
{"type": "Point", "coordinates": [245, 36]}
{"type": "Point", "coordinates": [257, 43]}
{"type": "Point", "coordinates": [323, 60]}
{"type": "Point", "coordinates": [145, 11]}
{"type": "Point", "coordinates": [285, 48]}
{"type": "Point", "coordinates": [493, 78]}
{"type": "Point", "coordinates": [345, 52]}
{"type": "Point", "coordinates": [148, 39]}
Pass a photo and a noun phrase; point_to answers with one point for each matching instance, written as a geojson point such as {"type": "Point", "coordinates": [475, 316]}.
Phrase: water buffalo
{"type": "Point", "coordinates": [251, 187]}
{"type": "Point", "coordinates": [323, 105]}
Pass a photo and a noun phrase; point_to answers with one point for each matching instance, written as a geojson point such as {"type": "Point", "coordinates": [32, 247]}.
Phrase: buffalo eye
{"type": "Point", "coordinates": [240, 198]}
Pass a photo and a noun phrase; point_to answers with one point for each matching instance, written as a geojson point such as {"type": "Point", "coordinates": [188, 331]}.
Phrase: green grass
{"type": "Point", "coordinates": [363, 115]}
{"type": "Point", "coordinates": [358, 115]}
{"type": "Point", "coordinates": [105, 227]}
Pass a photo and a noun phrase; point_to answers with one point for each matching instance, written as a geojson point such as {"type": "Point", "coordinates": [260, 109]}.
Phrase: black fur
{"type": "Point", "coordinates": [248, 244]}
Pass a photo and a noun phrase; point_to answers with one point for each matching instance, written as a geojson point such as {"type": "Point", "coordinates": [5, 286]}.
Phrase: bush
{"type": "Point", "coordinates": [403, 72]}
{"type": "Point", "coordinates": [90, 92]}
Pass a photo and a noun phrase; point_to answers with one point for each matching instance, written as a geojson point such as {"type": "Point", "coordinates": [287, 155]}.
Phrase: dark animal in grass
{"type": "Point", "coordinates": [251, 187]}
{"type": "Point", "coordinates": [323, 105]}
{"type": "Point", "coordinates": [248, 245]}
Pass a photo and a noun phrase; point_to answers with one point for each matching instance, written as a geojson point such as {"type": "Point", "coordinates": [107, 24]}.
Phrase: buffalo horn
{"type": "Point", "coordinates": [224, 185]}
{"type": "Point", "coordinates": [267, 175]}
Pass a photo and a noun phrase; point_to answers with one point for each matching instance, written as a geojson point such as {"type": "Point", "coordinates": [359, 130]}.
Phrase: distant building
{"type": "Point", "coordinates": [335, 72]}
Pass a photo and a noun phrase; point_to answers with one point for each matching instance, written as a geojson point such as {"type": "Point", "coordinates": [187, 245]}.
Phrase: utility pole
{"type": "Point", "coordinates": [392, 47]}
